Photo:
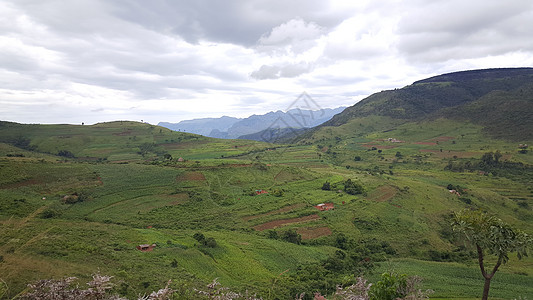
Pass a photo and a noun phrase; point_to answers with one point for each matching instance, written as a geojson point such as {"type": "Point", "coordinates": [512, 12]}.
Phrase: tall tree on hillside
{"type": "Point", "coordinates": [492, 236]}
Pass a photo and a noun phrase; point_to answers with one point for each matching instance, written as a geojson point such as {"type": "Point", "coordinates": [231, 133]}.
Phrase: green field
{"type": "Point", "coordinates": [75, 200]}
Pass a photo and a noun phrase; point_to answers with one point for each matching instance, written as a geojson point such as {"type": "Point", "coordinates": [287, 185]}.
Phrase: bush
{"type": "Point", "coordinates": [207, 242]}
{"type": "Point", "coordinates": [291, 236]}
{"type": "Point", "coordinates": [277, 192]}
{"type": "Point", "coordinates": [49, 213]}
{"type": "Point", "coordinates": [199, 237]}
{"type": "Point", "coordinates": [353, 188]}
{"type": "Point", "coordinates": [65, 153]}
{"type": "Point", "coordinates": [326, 186]}
{"type": "Point", "coordinates": [210, 242]}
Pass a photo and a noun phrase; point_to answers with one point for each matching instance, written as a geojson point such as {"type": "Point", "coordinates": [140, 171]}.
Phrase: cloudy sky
{"type": "Point", "coordinates": [169, 60]}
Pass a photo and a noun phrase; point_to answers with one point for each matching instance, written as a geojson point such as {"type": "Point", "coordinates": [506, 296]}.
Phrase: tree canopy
{"type": "Point", "coordinates": [492, 236]}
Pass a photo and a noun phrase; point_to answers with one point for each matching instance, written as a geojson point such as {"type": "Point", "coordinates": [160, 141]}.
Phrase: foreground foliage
{"type": "Point", "coordinates": [392, 286]}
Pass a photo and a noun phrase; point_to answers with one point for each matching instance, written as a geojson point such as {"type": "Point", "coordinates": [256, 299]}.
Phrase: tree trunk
{"type": "Point", "coordinates": [486, 288]}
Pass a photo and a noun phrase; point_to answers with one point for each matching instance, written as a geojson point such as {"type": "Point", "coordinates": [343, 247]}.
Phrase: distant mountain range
{"type": "Point", "coordinates": [256, 127]}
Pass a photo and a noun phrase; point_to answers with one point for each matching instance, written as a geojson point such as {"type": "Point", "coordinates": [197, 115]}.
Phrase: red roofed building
{"type": "Point", "coordinates": [146, 247]}
{"type": "Point", "coordinates": [325, 206]}
{"type": "Point", "coordinates": [259, 192]}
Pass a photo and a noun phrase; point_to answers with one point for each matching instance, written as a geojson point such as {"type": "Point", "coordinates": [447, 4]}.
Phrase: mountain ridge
{"type": "Point", "coordinates": [451, 93]}
{"type": "Point", "coordinates": [229, 127]}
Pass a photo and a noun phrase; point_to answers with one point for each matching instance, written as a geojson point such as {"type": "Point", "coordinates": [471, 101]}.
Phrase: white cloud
{"type": "Point", "coordinates": [170, 60]}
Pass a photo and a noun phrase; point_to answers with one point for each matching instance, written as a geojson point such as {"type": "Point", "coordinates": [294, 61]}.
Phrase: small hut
{"type": "Point", "coordinates": [146, 247]}
{"type": "Point", "coordinates": [325, 206]}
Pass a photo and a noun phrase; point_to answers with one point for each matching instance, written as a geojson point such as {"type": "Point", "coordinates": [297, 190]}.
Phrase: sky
{"type": "Point", "coordinates": [94, 61]}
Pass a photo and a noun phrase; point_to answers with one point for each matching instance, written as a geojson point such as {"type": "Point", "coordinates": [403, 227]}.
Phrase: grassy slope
{"type": "Point", "coordinates": [407, 207]}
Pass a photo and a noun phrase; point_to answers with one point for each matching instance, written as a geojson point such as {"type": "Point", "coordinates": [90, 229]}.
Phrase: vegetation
{"type": "Point", "coordinates": [77, 200]}
{"type": "Point", "coordinates": [491, 235]}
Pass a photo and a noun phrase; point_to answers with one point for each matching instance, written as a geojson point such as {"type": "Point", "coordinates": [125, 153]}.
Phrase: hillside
{"type": "Point", "coordinates": [468, 95]}
{"type": "Point", "coordinates": [367, 196]}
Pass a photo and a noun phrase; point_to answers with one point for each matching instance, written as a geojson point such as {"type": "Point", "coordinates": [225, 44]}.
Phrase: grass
{"type": "Point", "coordinates": [133, 198]}
{"type": "Point", "coordinates": [461, 281]}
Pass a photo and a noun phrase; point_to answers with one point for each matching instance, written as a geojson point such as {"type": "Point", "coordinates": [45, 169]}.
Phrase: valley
{"type": "Point", "coordinates": [76, 200]}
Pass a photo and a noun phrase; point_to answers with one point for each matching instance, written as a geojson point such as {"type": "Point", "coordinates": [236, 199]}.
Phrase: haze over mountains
{"type": "Point", "coordinates": [230, 127]}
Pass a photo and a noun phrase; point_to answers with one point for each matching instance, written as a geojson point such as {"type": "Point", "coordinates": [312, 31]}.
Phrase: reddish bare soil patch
{"type": "Point", "coordinates": [426, 143]}
{"type": "Point", "coordinates": [178, 199]}
{"type": "Point", "coordinates": [443, 138]}
{"type": "Point", "coordinates": [15, 185]}
{"type": "Point", "coordinates": [277, 223]}
{"type": "Point", "coordinates": [191, 176]}
{"type": "Point", "coordinates": [275, 212]}
{"type": "Point", "coordinates": [383, 193]}
{"type": "Point", "coordinates": [313, 233]}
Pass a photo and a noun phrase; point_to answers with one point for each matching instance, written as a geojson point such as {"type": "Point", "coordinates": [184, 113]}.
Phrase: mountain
{"type": "Point", "coordinates": [231, 128]}
{"type": "Point", "coordinates": [501, 100]}
{"type": "Point", "coordinates": [202, 126]}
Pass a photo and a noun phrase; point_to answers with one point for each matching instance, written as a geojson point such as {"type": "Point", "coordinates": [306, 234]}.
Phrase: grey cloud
{"type": "Point", "coordinates": [283, 71]}
{"type": "Point", "coordinates": [240, 22]}
{"type": "Point", "coordinates": [443, 30]}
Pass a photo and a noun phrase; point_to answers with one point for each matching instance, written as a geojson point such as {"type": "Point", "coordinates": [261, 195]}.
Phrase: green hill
{"type": "Point", "coordinates": [501, 99]}
{"type": "Point", "coordinates": [76, 200]}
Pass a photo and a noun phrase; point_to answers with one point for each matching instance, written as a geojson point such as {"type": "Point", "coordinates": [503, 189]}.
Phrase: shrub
{"type": "Point", "coordinates": [353, 188]}
{"type": "Point", "coordinates": [291, 236]}
{"type": "Point", "coordinates": [65, 153]}
{"type": "Point", "coordinates": [199, 237]}
{"type": "Point", "coordinates": [49, 213]}
{"type": "Point", "coordinates": [277, 192]}
{"type": "Point", "coordinates": [210, 242]}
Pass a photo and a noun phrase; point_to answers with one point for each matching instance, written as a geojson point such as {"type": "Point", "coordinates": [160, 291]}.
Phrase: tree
{"type": "Point", "coordinates": [291, 236]}
{"type": "Point", "coordinates": [497, 156]}
{"type": "Point", "coordinates": [353, 188]}
{"type": "Point", "coordinates": [488, 158]}
{"type": "Point", "coordinates": [199, 237]}
{"type": "Point", "coordinates": [490, 235]}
